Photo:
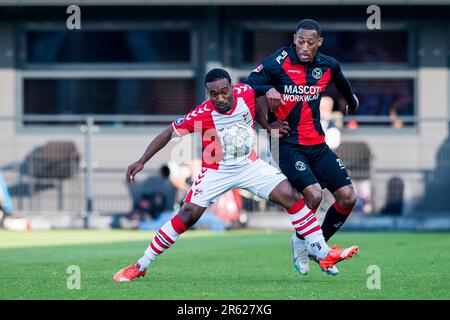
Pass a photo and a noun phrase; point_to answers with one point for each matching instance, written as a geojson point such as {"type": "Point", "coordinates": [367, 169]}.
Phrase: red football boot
{"type": "Point", "coordinates": [129, 273]}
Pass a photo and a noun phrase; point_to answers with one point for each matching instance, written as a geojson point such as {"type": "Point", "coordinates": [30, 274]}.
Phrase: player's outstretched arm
{"type": "Point", "coordinates": [157, 144]}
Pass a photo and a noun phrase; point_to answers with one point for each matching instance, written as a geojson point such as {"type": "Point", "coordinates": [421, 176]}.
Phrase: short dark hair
{"type": "Point", "coordinates": [217, 74]}
{"type": "Point", "coordinates": [309, 24]}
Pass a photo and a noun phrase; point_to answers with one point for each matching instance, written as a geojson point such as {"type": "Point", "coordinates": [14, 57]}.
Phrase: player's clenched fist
{"type": "Point", "coordinates": [274, 99]}
{"type": "Point", "coordinates": [133, 169]}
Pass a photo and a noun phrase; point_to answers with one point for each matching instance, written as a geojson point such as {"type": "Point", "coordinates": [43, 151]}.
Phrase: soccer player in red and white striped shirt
{"type": "Point", "coordinates": [222, 171]}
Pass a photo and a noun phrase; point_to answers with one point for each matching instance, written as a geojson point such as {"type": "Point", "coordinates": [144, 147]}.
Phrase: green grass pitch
{"type": "Point", "coordinates": [208, 266]}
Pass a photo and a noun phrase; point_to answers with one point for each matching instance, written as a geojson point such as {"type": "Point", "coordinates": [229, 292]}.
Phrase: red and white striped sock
{"type": "Point", "coordinates": [306, 225]}
{"type": "Point", "coordinates": [164, 239]}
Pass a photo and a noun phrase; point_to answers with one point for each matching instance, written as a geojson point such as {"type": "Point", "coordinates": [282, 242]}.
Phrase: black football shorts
{"type": "Point", "coordinates": [307, 165]}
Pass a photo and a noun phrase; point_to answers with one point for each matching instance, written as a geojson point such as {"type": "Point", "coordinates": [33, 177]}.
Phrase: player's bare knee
{"type": "Point", "coordinates": [313, 200]}
{"type": "Point", "coordinates": [348, 199]}
{"type": "Point", "coordinates": [284, 194]}
{"type": "Point", "coordinates": [188, 216]}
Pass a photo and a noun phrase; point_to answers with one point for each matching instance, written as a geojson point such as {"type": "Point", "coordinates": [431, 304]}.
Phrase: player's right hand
{"type": "Point", "coordinates": [133, 169]}
{"type": "Point", "coordinates": [279, 128]}
{"type": "Point", "coordinates": [274, 99]}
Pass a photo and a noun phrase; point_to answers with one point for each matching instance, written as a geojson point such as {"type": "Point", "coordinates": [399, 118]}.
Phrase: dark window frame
{"type": "Point", "coordinates": [99, 96]}
{"type": "Point", "coordinates": [193, 27]}
{"type": "Point", "coordinates": [238, 28]}
{"type": "Point", "coordinates": [149, 71]}
{"type": "Point", "coordinates": [364, 71]}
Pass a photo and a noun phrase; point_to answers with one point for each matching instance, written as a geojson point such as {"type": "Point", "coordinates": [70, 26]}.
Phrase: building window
{"type": "Point", "coordinates": [367, 58]}
{"type": "Point", "coordinates": [108, 46]}
{"type": "Point", "coordinates": [258, 45]}
{"type": "Point", "coordinates": [108, 96]}
{"type": "Point", "coordinates": [349, 47]}
{"type": "Point", "coordinates": [105, 69]}
{"type": "Point", "coordinates": [364, 47]}
{"type": "Point", "coordinates": [379, 97]}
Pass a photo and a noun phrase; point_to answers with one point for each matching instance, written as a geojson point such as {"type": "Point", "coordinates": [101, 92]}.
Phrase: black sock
{"type": "Point", "coordinates": [333, 220]}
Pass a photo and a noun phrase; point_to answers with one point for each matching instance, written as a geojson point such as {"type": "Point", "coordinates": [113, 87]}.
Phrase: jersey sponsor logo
{"type": "Point", "coordinates": [299, 98]}
{"type": "Point", "coordinates": [300, 166]}
{"type": "Point", "coordinates": [282, 56]}
{"type": "Point", "coordinates": [292, 89]}
{"type": "Point", "coordinates": [317, 73]}
{"type": "Point", "coordinates": [258, 68]}
{"type": "Point", "coordinates": [294, 71]}
{"type": "Point", "coordinates": [179, 121]}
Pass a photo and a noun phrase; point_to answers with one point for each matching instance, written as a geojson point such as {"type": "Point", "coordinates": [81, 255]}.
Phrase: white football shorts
{"type": "Point", "coordinates": [258, 177]}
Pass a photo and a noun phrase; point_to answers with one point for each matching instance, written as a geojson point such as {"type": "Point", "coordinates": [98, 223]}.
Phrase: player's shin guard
{"type": "Point", "coordinates": [164, 239]}
{"type": "Point", "coordinates": [306, 225]}
{"type": "Point", "coordinates": [334, 219]}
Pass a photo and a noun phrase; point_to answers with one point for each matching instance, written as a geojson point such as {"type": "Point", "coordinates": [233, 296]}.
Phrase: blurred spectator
{"type": "Point", "coordinates": [392, 98]}
{"type": "Point", "coordinates": [183, 177]}
{"type": "Point", "coordinates": [394, 198]}
{"type": "Point", "coordinates": [5, 200]}
{"type": "Point", "coordinates": [209, 220]}
{"type": "Point", "coordinates": [332, 133]}
{"type": "Point", "coordinates": [229, 205]}
{"type": "Point", "coordinates": [396, 123]}
{"type": "Point", "coordinates": [352, 124]}
{"type": "Point", "coordinates": [151, 198]}
{"type": "Point", "coordinates": [159, 184]}
{"type": "Point", "coordinates": [150, 206]}
{"type": "Point", "coordinates": [228, 209]}
{"type": "Point", "coordinates": [364, 191]}
{"type": "Point", "coordinates": [401, 105]}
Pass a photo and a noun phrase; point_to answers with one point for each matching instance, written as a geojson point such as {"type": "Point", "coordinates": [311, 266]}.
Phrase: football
{"type": "Point", "coordinates": [238, 139]}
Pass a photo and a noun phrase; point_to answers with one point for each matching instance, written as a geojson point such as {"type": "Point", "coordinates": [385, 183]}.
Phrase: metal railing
{"type": "Point", "coordinates": [394, 171]}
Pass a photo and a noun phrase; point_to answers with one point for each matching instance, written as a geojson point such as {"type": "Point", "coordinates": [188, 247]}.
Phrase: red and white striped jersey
{"type": "Point", "coordinates": [207, 120]}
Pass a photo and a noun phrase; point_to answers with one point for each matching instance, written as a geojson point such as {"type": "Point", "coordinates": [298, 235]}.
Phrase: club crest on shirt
{"type": "Point", "coordinates": [179, 121]}
{"type": "Point", "coordinates": [317, 73]}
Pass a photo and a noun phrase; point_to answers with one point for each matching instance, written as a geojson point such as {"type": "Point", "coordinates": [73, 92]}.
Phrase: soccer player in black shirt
{"type": "Point", "coordinates": [293, 80]}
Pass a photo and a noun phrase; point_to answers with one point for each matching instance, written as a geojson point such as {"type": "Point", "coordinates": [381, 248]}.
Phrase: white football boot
{"type": "Point", "coordinates": [300, 257]}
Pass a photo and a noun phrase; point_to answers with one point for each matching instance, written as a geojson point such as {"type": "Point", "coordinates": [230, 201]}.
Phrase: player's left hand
{"type": "Point", "coordinates": [279, 128]}
{"type": "Point", "coordinates": [350, 111]}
